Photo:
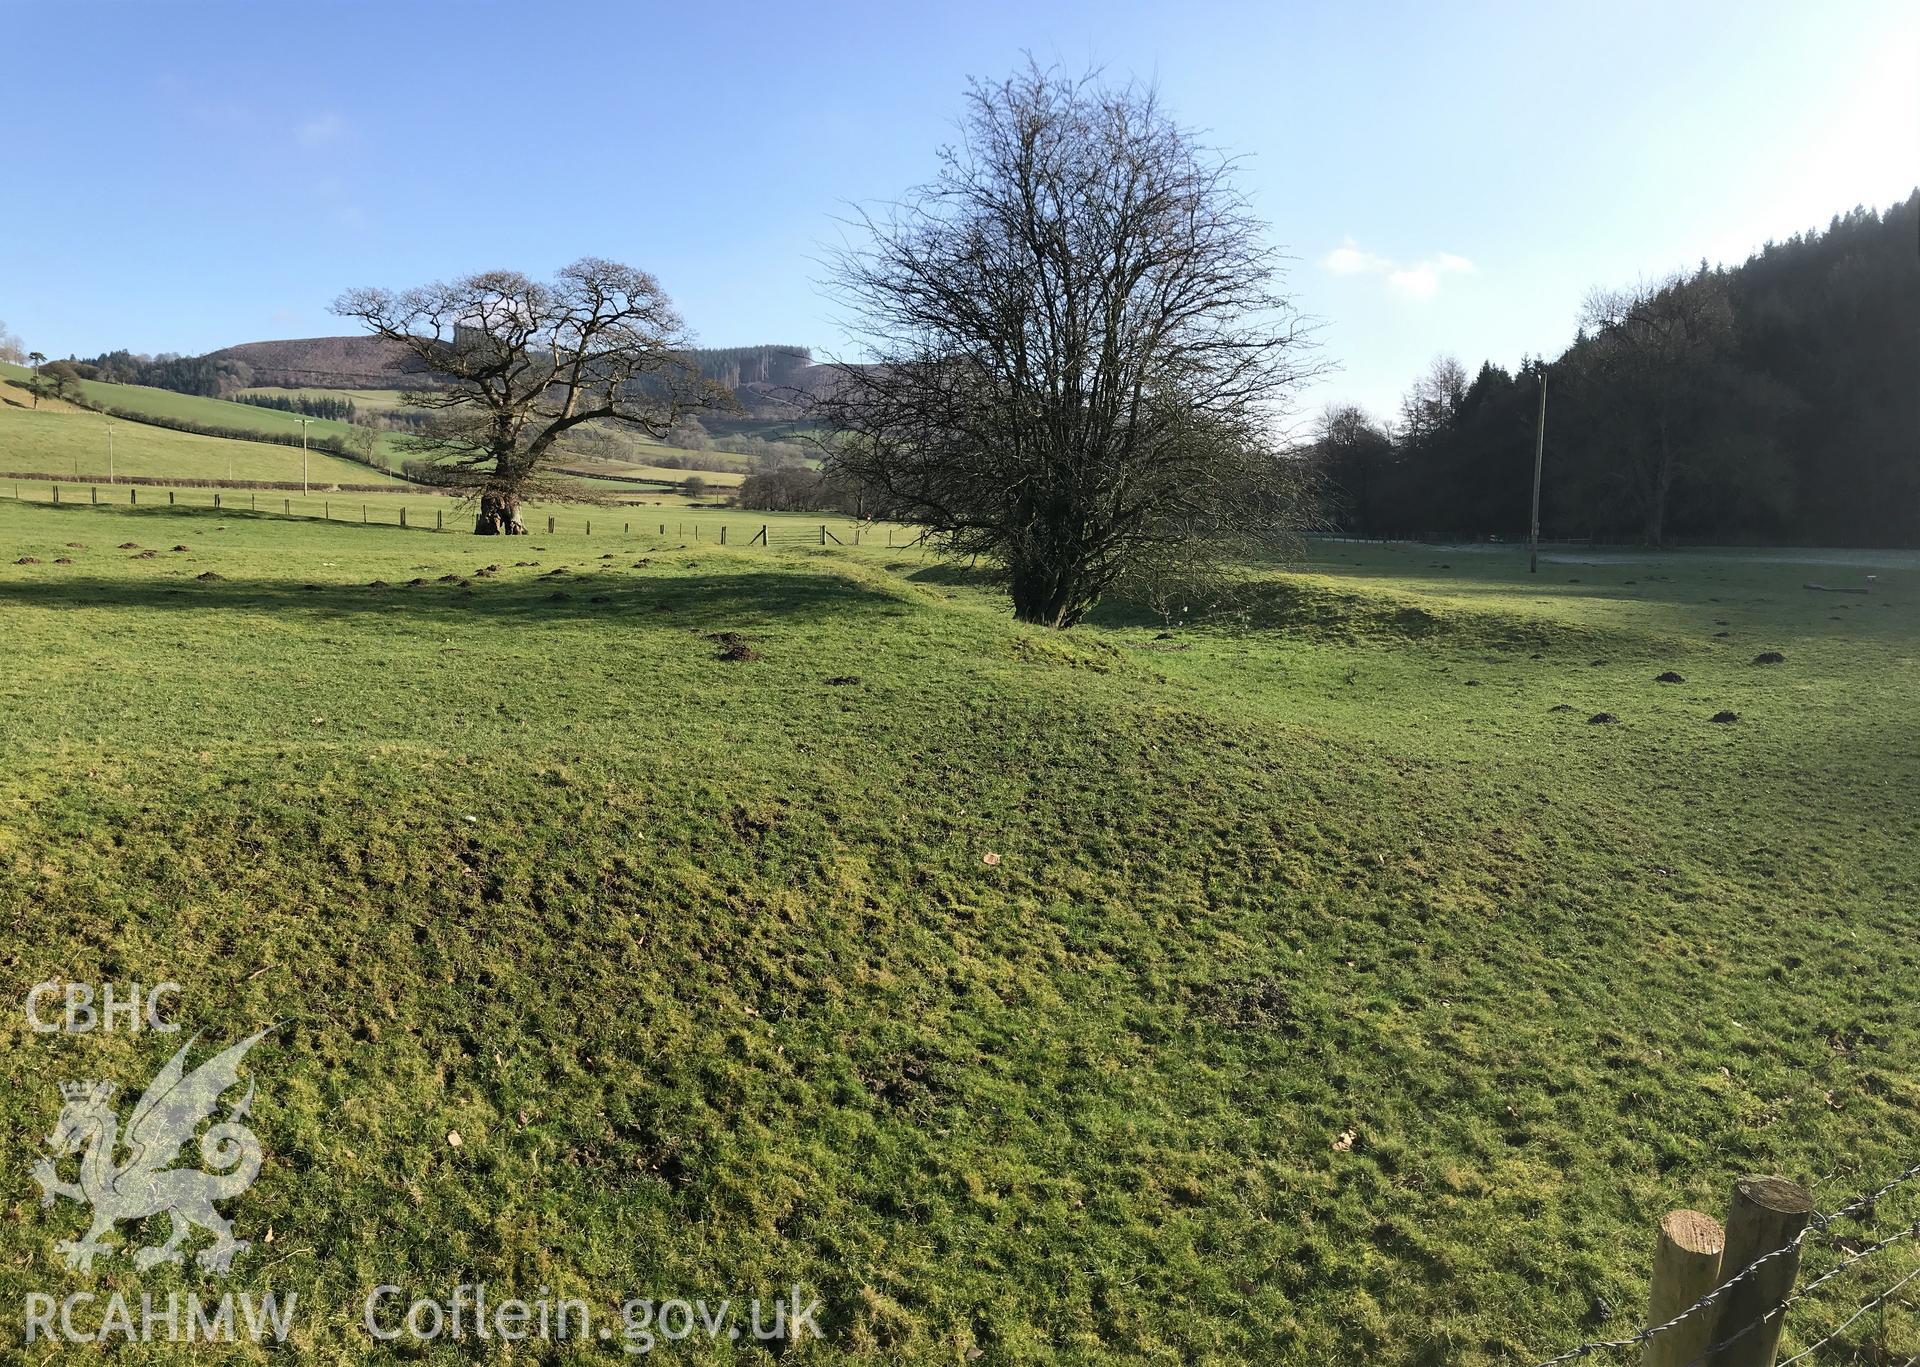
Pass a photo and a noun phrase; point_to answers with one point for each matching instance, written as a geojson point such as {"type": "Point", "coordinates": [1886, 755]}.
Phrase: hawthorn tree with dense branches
{"type": "Point", "coordinates": [1076, 354]}
{"type": "Point", "coordinates": [517, 363]}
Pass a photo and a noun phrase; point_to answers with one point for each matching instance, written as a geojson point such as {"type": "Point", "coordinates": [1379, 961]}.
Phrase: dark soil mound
{"type": "Point", "coordinates": [1602, 719]}
{"type": "Point", "coordinates": [208, 577]}
{"type": "Point", "coordinates": [843, 680]}
{"type": "Point", "coordinates": [1725, 718]}
{"type": "Point", "coordinates": [1668, 677]}
{"type": "Point", "coordinates": [143, 555]}
{"type": "Point", "coordinates": [1769, 657]}
{"type": "Point", "coordinates": [28, 560]}
{"type": "Point", "coordinates": [379, 584]}
{"type": "Point", "coordinates": [1561, 707]}
{"type": "Point", "coordinates": [63, 560]}
{"type": "Point", "coordinates": [739, 651]}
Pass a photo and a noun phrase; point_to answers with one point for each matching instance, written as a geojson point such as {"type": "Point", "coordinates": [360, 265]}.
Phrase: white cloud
{"type": "Point", "coordinates": [1348, 259]}
{"type": "Point", "coordinates": [320, 129]}
{"type": "Point", "coordinates": [1415, 279]}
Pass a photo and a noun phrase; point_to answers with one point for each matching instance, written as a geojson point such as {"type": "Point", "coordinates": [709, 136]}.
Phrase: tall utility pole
{"type": "Point", "coordinates": [109, 453]}
{"type": "Point", "coordinates": [1539, 454]}
{"type": "Point", "coordinates": [303, 453]}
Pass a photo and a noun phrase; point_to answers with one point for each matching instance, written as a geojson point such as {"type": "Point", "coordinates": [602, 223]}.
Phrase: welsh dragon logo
{"type": "Point", "coordinates": [174, 1105]}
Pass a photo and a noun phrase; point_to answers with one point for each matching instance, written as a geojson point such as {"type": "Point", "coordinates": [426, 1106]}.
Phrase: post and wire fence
{"type": "Point", "coordinates": [380, 508]}
{"type": "Point", "coordinates": [1720, 1294]}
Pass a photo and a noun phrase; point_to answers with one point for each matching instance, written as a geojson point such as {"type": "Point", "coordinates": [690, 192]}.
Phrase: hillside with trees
{"type": "Point", "coordinates": [1775, 402]}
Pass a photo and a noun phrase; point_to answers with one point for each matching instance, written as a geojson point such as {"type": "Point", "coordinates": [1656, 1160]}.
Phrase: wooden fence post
{"type": "Point", "coordinates": [253, 503]}
{"type": "Point", "coordinates": [133, 497]}
{"type": "Point", "coordinates": [286, 507]}
{"type": "Point", "coordinates": [1767, 1215]}
{"type": "Point", "coordinates": [723, 533]}
{"type": "Point", "coordinates": [56, 495]}
{"type": "Point", "coordinates": [216, 502]}
{"type": "Point", "coordinates": [403, 515]}
{"type": "Point", "coordinates": [823, 533]}
{"type": "Point", "coordinates": [439, 519]}
{"type": "Point", "coordinates": [1686, 1265]}
{"type": "Point", "coordinates": [589, 527]}
{"type": "Point", "coordinates": [363, 514]}
{"type": "Point", "coordinates": [549, 526]}
{"type": "Point", "coordinates": [169, 498]}
{"type": "Point", "coordinates": [663, 529]}
{"type": "Point", "coordinates": [93, 494]}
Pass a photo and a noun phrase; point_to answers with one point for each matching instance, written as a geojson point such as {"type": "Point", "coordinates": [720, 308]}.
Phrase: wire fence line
{"type": "Point", "coordinates": [1847, 1323]}
{"type": "Point", "coordinates": [1817, 1222]}
{"type": "Point", "coordinates": [442, 513]}
{"type": "Point", "coordinates": [1909, 1232]}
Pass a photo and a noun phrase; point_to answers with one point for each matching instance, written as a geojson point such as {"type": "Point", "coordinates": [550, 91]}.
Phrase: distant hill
{"type": "Point", "coordinates": [328, 363]}
{"type": "Point", "coordinates": [766, 378]}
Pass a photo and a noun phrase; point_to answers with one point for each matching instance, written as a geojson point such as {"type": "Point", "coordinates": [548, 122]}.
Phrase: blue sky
{"type": "Point", "coordinates": [1448, 178]}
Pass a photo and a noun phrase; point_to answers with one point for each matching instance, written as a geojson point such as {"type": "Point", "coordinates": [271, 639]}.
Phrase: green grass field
{"type": "Point", "coordinates": [641, 455]}
{"type": "Point", "coordinates": [369, 400]}
{"type": "Point", "coordinates": [59, 439]}
{"type": "Point", "coordinates": [1325, 990]}
{"type": "Point", "coordinates": [222, 413]}
{"type": "Point", "coordinates": [616, 472]}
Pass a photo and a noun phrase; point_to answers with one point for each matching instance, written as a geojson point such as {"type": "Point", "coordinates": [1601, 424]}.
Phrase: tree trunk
{"type": "Point", "coordinates": [1656, 522]}
{"type": "Point", "coordinates": [1048, 596]}
{"type": "Point", "coordinates": [499, 515]}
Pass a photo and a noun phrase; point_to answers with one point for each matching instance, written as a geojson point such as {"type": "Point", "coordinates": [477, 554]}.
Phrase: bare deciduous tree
{"type": "Point", "coordinates": [11, 350]}
{"type": "Point", "coordinates": [1435, 397]}
{"type": "Point", "coordinates": [521, 362]}
{"type": "Point", "coordinates": [1353, 456]}
{"type": "Point", "coordinates": [1076, 353]}
{"type": "Point", "coordinates": [1659, 348]}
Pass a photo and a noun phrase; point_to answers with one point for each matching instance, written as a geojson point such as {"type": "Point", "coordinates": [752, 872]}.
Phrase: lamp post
{"type": "Point", "coordinates": [303, 454]}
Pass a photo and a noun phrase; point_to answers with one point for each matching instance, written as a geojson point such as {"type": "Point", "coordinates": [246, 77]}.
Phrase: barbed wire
{"type": "Point", "coordinates": [1818, 1221]}
{"type": "Point", "coordinates": [1846, 1323]}
{"type": "Point", "coordinates": [1861, 1203]}
{"type": "Point", "coordinates": [1909, 1232]}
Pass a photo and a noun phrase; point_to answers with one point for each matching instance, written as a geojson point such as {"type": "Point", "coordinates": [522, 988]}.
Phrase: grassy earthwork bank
{"type": "Point", "coordinates": [1324, 989]}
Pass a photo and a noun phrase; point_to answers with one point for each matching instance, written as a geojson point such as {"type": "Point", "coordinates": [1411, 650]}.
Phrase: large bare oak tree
{"type": "Point", "coordinates": [518, 363]}
{"type": "Point", "coordinates": [1076, 352]}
